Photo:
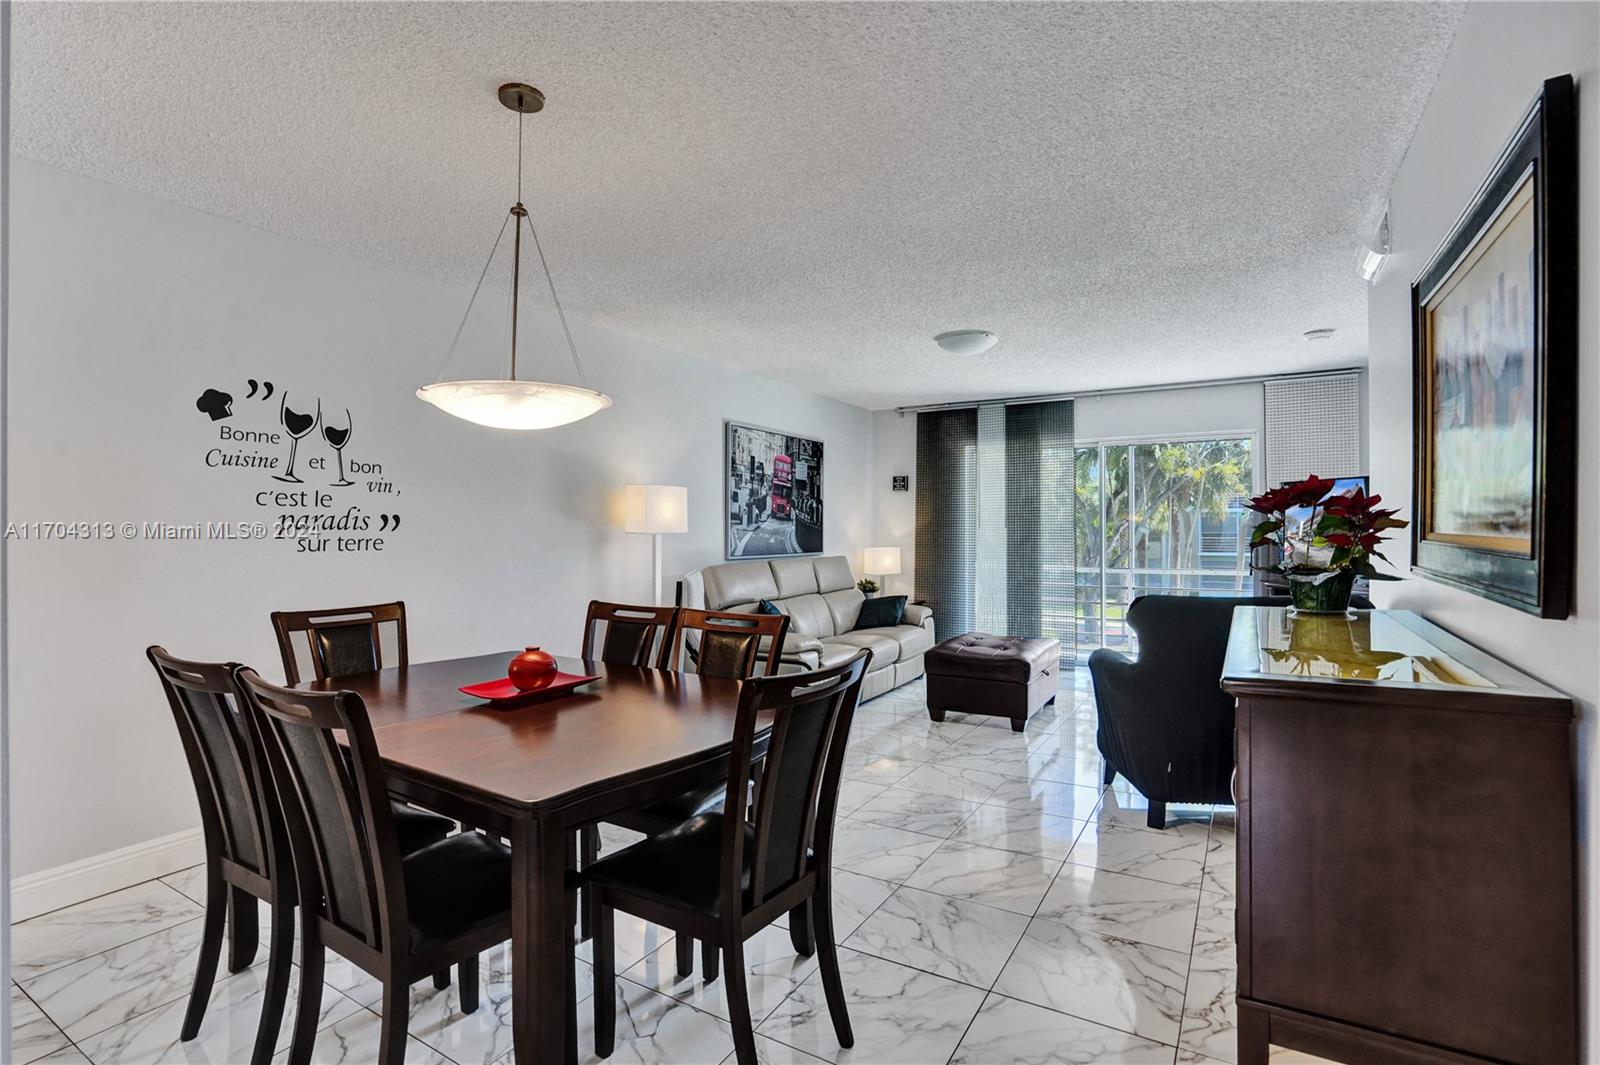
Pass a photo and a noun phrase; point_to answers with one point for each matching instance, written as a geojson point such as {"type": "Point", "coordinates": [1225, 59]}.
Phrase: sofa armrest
{"type": "Point", "coordinates": [1172, 737]}
{"type": "Point", "coordinates": [794, 644]}
{"type": "Point", "coordinates": [802, 651]}
{"type": "Point", "coordinates": [917, 614]}
{"type": "Point", "coordinates": [803, 662]}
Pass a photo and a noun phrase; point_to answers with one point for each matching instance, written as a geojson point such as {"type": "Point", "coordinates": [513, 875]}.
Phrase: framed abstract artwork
{"type": "Point", "coordinates": [1494, 330]}
{"type": "Point", "coordinates": [774, 482]}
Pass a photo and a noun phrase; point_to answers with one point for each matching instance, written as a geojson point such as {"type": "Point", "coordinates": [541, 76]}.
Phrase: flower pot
{"type": "Point", "coordinates": [1329, 595]}
{"type": "Point", "coordinates": [532, 669]}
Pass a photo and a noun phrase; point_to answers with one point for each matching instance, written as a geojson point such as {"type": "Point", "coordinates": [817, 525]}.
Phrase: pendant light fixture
{"type": "Point", "coordinates": [511, 403]}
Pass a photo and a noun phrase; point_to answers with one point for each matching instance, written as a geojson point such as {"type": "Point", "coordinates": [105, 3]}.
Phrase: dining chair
{"type": "Point", "coordinates": [725, 643]}
{"type": "Point", "coordinates": [396, 916]}
{"type": "Point", "coordinates": [618, 634]}
{"type": "Point", "coordinates": [347, 640]}
{"type": "Point", "coordinates": [247, 847]}
{"type": "Point", "coordinates": [340, 641]}
{"type": "Point", "coordinates": [627, 635]}
{"type": "Point", "coordinates": [729, 645]}
{"type": "Point", "coordinates": [725, 875]}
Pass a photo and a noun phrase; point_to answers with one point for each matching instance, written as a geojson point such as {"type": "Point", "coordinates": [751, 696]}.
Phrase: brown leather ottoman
{"type": "Point", "coordinates": [1002, 676]}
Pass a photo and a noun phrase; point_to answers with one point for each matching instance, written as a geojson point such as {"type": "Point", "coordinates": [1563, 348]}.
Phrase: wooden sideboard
{"type": "Point", "coordinates": [1407, 887]}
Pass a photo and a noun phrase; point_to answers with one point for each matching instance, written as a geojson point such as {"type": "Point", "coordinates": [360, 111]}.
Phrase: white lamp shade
{"type": "Point", "coordinates": [881, 561]}
{"type": "Point", "coordinates": [514, 404]}
{"type": "Point", "coordinates": [656, 508]}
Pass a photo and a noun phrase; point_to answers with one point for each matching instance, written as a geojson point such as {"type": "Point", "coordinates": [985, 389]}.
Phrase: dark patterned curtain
{"type": "Point", "coordinates": [1041, 540]}
{"type": "Point", "coordinates": [996, 543]}
{"type": "Point", "coordinates": [947, 445]}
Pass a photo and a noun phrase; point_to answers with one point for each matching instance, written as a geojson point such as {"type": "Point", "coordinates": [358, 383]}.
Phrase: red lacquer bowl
{"type": "Point", "coordinates": [532, 669]}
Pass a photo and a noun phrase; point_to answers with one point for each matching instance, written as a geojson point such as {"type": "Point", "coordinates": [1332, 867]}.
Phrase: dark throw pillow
{"type": "Point", "coordinates": [766, 607]}
{"type": "Point", "coordinates": [882, 612]}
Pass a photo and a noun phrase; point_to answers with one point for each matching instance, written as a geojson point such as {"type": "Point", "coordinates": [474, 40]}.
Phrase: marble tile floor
{"type": "Point", "coordinates": [995, 904]}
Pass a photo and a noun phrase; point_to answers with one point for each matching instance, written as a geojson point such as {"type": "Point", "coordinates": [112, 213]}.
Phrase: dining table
{"type": "Point", "coordinates": [533, 774]}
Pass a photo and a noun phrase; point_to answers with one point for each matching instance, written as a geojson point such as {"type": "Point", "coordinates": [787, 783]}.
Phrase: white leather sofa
{"type": "Point", "coordinates": [822, 601]}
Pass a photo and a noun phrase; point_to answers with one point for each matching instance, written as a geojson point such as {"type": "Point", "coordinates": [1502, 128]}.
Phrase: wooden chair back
{"type": "Point", "coordinates": [238, 807]}
{"type": "Point", "coordinates": [631, 634]}
{"type": "Point", "coordinates": [726, 644]}
{"type": "Point", "coordinates": [341, 641]}
{"type": "Point", "coordinates": [336, 806]}
{"type": "Point", "coordinates": [798, 790]}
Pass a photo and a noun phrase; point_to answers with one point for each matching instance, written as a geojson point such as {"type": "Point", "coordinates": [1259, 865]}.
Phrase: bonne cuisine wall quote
{"type": "Point", "coordinates": [306, 479]}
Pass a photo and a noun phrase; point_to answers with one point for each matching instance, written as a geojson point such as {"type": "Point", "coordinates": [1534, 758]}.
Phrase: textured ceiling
{"type": "Point", "coordinates": [1127, 193]}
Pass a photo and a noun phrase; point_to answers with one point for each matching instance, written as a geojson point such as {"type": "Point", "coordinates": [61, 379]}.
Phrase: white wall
{"type": "Point", "coordinates": [127, 308]}
{"type": "Point", "coordinates": [894, 524]}
{"type": "Point", "coordinates": [1501, 54]}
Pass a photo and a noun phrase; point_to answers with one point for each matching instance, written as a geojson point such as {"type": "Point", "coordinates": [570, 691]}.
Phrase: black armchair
{"type": "Point", "coordinates": [1164, 721]}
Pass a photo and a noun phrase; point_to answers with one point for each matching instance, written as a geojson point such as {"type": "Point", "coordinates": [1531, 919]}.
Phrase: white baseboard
{"type": "Point", "coordinates": [51, 889]}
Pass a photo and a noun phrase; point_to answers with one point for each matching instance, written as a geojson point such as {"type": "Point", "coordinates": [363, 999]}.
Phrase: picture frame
{"type": "Point", "coordinates": [774, 484]}
{"type": "Point", "coordinates": [1494, 360]}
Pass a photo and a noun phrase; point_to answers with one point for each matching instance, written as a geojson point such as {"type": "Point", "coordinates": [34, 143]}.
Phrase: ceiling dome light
{"type": "Point", "coordinates": [966, 341]}
{"type": "Point", "coordinates": [511, 403]}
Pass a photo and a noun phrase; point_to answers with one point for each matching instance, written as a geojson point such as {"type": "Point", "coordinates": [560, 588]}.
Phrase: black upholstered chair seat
{"type": "Point", "coordinates": [679, 867]}
{"type": "Point", "coordinates": [681, 808]}
{"type": "Point", "coordinates": [418, 828]}
{"type": "Point", "coordinates": [456, 887]}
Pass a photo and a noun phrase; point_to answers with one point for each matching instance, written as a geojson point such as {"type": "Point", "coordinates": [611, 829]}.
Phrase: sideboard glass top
{"type": "Point", "coordinates": [1386, 647]}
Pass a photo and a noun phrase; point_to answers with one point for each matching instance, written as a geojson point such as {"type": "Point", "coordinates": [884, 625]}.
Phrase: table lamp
{"type": "Point", "coordinates": [656, 509]}
{"type": "Point", "coordinates": [880, 562]}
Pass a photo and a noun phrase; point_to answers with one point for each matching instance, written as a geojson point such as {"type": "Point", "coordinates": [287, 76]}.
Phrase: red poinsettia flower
{"type": "Point", "coordinates": [1352, 502]}
{"type": "Point", "coordinates": [1273, 501]}
{"type": "Point", "coordinates": [1340, 539]}
{"type": "Point", "coordinates": [1385, 519]}
{"type": "Point", "coordinates": [1309, 492]}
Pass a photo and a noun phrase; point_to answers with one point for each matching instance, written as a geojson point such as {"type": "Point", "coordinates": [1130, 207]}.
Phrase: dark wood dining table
{"type": "Point", "coordinates": [535, 773]}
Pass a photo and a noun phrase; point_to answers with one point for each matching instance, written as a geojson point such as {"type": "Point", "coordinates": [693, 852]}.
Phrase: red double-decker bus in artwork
{"type": "Point", "coordinates": [782, 485]}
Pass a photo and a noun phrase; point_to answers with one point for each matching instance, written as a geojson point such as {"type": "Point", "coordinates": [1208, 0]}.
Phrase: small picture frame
{"type": "Point", "coordinates": [900, 482]}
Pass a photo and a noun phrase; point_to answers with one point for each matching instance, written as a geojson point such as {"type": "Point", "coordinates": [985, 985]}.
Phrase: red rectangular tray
{"type": "Point", "coordinates": [504, 693]}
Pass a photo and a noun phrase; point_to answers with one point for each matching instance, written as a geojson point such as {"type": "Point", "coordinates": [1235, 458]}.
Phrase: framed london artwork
{"type": "Point", "coordinates": [774, 489]}
{"type": "Point", "coordinates": [1494, 329]}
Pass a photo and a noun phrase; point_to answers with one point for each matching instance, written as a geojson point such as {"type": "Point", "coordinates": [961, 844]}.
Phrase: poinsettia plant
{"type": "Point", "coordinates": [1341, 534]}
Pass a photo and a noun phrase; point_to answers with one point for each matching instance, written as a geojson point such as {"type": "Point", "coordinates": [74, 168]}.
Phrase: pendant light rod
{"type": "Point", "coordinates": [516, 284]}
{"type": "Point", "coordinates": [462, 325]}
{"type": "Point", "coordinates": [512, 403]}
{"type": "Point", "coordinates": [555, 299]}
{"type": "Point", "coordinates": [518, 212]}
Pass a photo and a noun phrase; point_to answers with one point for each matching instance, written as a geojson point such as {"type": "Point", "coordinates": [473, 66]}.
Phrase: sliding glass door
{"type": "Point", "coordinates": [1158, 516]}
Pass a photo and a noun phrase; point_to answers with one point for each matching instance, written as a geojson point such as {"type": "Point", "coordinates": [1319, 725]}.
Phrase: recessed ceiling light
{"type": "Point", "coordinates": [1318, 334]}
{"type": "Point", "coordinates": [966, 341]}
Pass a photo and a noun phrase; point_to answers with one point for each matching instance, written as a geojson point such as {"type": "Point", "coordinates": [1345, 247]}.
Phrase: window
{"type": "Point", "coordinates": [1163, 516]}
